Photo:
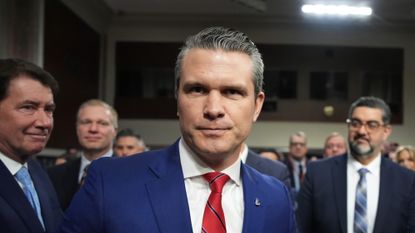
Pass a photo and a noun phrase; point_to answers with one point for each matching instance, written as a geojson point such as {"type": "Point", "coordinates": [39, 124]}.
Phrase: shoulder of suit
{"type": "Point", "coordinates": [75, 163]}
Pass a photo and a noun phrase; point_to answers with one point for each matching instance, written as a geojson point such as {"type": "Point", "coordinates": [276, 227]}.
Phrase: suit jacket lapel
{"type": "Point", "coordinates": [43, 192]}
{"type": "Point", "coordinates": [385, 196]}
{"type": "Point", "coordinates": [167, 194]}
{"type": "Point", "coordinates": [17, 200]}
{"type": "Point", "coordinates": [339, 181]}
{"type": "Point", "coordinates": [253, 213]}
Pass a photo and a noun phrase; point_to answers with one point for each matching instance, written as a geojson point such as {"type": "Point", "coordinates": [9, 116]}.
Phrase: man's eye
{"type": "Point", "coordinates": [372, 124]}
{"type": "Point", "coordinates": [85, 122]}
{"type": "Point", "coordinates": [104, 123]}
{"type": "Point", "coordinates": [196, 90]}
{"type": "Point", "coordinates": [234, 93]}
{"type": "Point", "coordinates": [355, 123]}
{"type": "Point", "coordinates": [27, 108]}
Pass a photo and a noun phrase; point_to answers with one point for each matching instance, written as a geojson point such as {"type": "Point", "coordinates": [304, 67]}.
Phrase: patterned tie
{"type": "Point", "coordinates": [213, 217]}
{"type": "Point", "coordinates": [29, 190]}
{"type": "Point", "coordinates": [301, 173]}
{"type": "Point", "coordinates": [84, 174]}
{"type": "Point", "coordinates": [360, 209]}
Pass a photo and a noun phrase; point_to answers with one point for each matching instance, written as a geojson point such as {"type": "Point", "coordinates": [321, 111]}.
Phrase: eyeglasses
{"type": "Point", "coordinates": [370, 126]}
{"type": "Point", "coordinates": [300, 144]}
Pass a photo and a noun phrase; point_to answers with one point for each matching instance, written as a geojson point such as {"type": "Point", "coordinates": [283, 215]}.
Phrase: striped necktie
{"type": "Point", "coordinates": [360, 210]}
{"type": "Point", "coordinates": [84, 174]}
{"type": "Point", "coordinates": [213, 217]}
{"type": "Point", "coordinates": [29, 190]}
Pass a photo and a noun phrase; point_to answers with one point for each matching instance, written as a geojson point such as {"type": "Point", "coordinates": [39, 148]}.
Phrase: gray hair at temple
{"type": "Point", "coordinates": [372, 102]}
{"type": "Point", "coordinates": [227, 39]}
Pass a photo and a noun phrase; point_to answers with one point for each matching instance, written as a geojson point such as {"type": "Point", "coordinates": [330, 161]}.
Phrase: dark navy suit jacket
{"type": "Point", "coordinates": [16, 213]}
{"type": "Point", "coordinates": [64, 178]}
{"type": "Point", "coordinates": [146, 193]}
{"type": "Point", "coordinates": [322, 201]}
{"type": "Point", "coordinates": [269, 167]}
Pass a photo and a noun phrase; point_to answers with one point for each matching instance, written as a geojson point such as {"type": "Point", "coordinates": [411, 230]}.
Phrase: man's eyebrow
{"type": "Point", "coordinates": [32, 102]}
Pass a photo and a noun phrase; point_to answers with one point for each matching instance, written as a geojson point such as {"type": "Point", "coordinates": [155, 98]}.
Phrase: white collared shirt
{"type": "Point", "coordinates": [198, 191]}
{"type": "Point", "coordinates": [372, 180]}
{"type": "Point", "coordinates": [296, 172]}
{"type": "Point", "coordinates": [85, 162]}
{"type": "Point", "coordinates": [12, 166]}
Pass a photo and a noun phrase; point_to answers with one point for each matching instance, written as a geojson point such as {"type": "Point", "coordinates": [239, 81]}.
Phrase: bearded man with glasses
{"type": "Point", "coordinates": [360, 191]}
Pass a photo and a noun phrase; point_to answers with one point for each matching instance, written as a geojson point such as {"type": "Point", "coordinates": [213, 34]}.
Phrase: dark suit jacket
{"type": "Point", "coordinates": [146, 193]}
{"type": "Point", "coordinates": [64, 178]}
{"type": "Point", "coordinates": [322, 201]}
{"type": "Point", "coordinates": [269, 167]}
{"type": "Point", "coordinates": [16, 213]}
{"type": "Point", "coordinates": [290, 167]}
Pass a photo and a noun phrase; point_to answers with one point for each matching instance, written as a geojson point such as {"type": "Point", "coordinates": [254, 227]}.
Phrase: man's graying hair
{"type": "Point", "coordinates": [372, 102]}
{"type": "Point", "coordinates": [230, 40]}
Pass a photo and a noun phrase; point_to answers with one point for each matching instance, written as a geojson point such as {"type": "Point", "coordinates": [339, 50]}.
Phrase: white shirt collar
{"type": "Point", "coordinates": [85, 162]}
{"type": "Point", "coordinates": [244, 154]}
{"type": "Point", "coordinates": [373, 166]}
{"type": "Point", "coordinates": [12, 166]}
{"type": "Point", "coordinates": [192, 166]}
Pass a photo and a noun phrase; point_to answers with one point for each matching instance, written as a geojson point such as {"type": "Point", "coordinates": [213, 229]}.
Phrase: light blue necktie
{"type": "Point", "coordinates": [29, 190]}
{"type": "Point", "coordinates": [360, 209]}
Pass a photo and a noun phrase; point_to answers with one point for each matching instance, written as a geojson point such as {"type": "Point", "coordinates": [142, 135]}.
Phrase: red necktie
{"type": "Point", "coordinates": [213, 217]}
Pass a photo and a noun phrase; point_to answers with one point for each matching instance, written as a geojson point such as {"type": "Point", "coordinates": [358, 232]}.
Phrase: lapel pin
{"type": "Point", "coordinates": [257, 202]}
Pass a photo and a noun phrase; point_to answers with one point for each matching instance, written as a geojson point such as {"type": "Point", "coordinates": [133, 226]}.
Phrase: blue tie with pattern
{"type": "Point", "coordinates": [360, 209]}
{"type": "Point", "coordinates": [23, 177]}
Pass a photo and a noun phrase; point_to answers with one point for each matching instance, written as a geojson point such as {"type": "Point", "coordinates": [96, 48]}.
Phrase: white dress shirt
{"type": "Point", "coordinates": [296, 172]}
{"type": "Point", "coordinates": [372, 180]}
{"type": "Point", "coordinates": [85, 162]}
{"type": "Point", "coordinates": [198, 191]}
{"type": "Point", "coordinates": [12, 166]}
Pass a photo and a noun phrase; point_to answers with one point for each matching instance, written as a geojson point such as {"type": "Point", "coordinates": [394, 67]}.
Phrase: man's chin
{"type": "Point", "coordinates": [361, 151]}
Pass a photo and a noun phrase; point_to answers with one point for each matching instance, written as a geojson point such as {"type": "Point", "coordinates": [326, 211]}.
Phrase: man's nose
{"type": "Point", "coordinates": [213, 106]}
{"type": "Point", "coordinates": [44, 119]}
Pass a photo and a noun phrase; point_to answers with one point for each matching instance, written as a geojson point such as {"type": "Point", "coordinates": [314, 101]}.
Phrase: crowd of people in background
{"type": "Point", "coordinates": [359, 183]}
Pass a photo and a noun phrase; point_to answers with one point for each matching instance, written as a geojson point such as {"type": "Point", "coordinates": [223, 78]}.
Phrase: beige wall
{"type": "Point", "coordinates": [164, 132]}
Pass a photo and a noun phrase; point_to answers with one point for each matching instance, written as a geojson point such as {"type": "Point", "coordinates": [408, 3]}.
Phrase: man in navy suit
{"type": "Point", "coordinates": [28, 202]}
{"type": "Point", "coordinates": [96, 128]}
{"type": "Point", "coordinates": [219, 76]}
{"type": "Point", "coordinates": [336, 197]}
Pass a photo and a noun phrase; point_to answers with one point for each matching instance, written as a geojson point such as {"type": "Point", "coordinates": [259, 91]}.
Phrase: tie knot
{"type": "Point", "coordinates": [363, 171]}
{"type": "Point", "coordinates": [23, 176]}
{"type": "Point", "coordinates": [216, 180]}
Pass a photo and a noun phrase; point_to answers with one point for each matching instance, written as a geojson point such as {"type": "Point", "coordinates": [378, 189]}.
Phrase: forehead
{"type": "Point", "coordinates": [297, 138]}
{"type": "Point", "coordinates": [95, 112]}
{"type": "Point", "coordinates": [216, 66]}
{"type": "Point", "coordinates": [335, 139]}
{"type": "Point", "coordinates": [127, 140]}
{"type": "Point", "coordinates": [367, 114]}
{"type": "Point", "coordinates": [24, 87]}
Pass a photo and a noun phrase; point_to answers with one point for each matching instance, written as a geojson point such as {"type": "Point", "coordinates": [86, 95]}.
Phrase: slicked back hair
{"type": "Point", "coordinates": [226, 39]}
{"type": "Point", "coordinates": [372, 102]}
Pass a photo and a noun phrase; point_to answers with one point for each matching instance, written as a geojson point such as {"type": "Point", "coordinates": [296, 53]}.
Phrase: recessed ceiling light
{"type": "Point", "coordinates": [339, 10]}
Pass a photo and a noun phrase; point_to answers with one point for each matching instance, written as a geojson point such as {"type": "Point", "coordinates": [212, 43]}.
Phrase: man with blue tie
{"type": "Point", "coordinates": [28, 202]}
{"type": "Point", "coordinates": [199, 183]}
{"type": "Point", "coordinates": [360, 191]}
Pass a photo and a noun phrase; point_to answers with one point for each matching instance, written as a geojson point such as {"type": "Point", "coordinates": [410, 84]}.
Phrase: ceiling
{"type": "Point", "coordinates": [386, 13]}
